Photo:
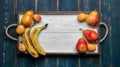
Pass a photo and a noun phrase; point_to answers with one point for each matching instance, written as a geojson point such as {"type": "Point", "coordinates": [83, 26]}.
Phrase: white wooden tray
{"type": "Point", "coordinates": [62, 33]}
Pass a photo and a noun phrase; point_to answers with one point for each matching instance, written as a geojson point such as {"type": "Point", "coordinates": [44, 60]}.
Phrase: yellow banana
{"type": "Point", "coordinates": [28, 44]}
{"type": "Point", "coordinates": [34, 39]}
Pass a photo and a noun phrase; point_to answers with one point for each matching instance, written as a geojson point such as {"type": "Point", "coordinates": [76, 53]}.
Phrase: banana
{"type": "Point", "coordinates": [34, 39]}
{"type": "Point", "coordinates": [28, 44]}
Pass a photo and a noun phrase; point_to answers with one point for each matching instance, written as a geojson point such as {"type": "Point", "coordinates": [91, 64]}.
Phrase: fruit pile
{"type": "Point", "coordinates": [30, 42]}
{"type": "Point", "coordinates": [87, 43]}
{"type": "Point", "coordinates": [92, 18]}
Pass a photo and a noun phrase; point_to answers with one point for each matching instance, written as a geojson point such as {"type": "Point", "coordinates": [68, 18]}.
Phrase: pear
{"type": "Point", "coordinates": [81, 45]}
{"type": "Point", "coordinates": [90, 35]}
{"type": "Point", "coordinates": [92, 18]}
{"type": "Point", "coordinates": [29, 12]}
{"type": "Point", "coordinates": [27, 18]}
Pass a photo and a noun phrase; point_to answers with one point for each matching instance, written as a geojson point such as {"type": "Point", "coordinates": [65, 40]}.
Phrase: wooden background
{"type": "Point", "coordinates": [110, 14]}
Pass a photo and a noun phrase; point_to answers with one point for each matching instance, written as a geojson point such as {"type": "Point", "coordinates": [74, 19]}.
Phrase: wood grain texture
{"type": "Point", "coordinates": [68, 61]}
{"type": "Point", "coordinates": [110, 48]}
{"type": "Point", "coordinates": [115, 15]}
{"type": "Point", "coordinates": [25, 60]}
{"type": "Point", "coordinates": [89, 61]}
{"type": "Point", "coordinates": [106, 45]}
{"type": "Point", "coordinates": [52, 61]}
{"type": "Point", "coordinates": [2, 34]}
{"type": "Point", "coordinates": [8, 17]}
{"type": "Point", "coordinates": [68, 5]}
{"type": "Point", "coordinates": [88, 5]}
{"type": "Point", "coordinates": [109, 10]}
{"type": "Point", "coordinates": [24, 5]}
{"type": "Point", "coordinates": [47, 5]}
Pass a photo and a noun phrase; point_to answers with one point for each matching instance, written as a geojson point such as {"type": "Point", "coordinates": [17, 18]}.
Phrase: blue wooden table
{"type": "Point", "coordinates": [109, 12]}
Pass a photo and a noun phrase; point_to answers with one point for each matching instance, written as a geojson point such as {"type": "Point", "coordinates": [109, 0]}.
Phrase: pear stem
{"type": "Point", "coordinates": [80, 29]}
{"type": "Point", "coordinates": [95, 9]}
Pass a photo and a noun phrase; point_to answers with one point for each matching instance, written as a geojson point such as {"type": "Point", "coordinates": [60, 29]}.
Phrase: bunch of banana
{"type": "Point", "coordinates": [31, 41]}
{"type": "Point", "coordinates": [34, 39]}
{"type": "Point", "coordinates": [28, 43]}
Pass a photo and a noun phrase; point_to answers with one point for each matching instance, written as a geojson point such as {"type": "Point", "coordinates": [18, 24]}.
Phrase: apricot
{"type": "Point", "coordinates": [37, 17]}
{"type": "Point", "coordinates": [82, 17]}
{"type": "Point", "coordinates": [21, 47]}
{"type": "Point", "coordinates": [20, 29]}
{"type": "Point", "coordinates": [91, 47]}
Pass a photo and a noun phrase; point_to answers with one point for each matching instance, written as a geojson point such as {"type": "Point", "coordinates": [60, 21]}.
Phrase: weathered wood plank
{"type": "Point", "coordinates": [20, 61]}
{"type": "Point", "coordinates": [89, 61]}
{"type": "Point", "coordinates": [115, 54]}
{"type": "Point", "coordinates": [88, 5]}
{"type": "Point", "coordinates": [106, 46]}
{"type": "Point", "coordinates": [30, 61]}
{"type": "Point", "coordinates": [25, 60]}
{"type": "Point", "coordinates": [52, 61]}
{"type": "Point", "coordinates": [42, 62]}
{"type": "Point", "coordinates": [2, 61]}
{"type": "Point", "coordinates": [68, 5]}
{"type": "Point", "coordinates": [8, 46]}
{"type": "Point", "coordinates": [111, 49]}
{"type": "Point", "coordinates": [24, 5]}
{"type": "Point", "coordinates": [67, 60]}
{"type": "Point", "coordinates": [47, 5]}
{"type": "Point", "coordinates": [115, 33]}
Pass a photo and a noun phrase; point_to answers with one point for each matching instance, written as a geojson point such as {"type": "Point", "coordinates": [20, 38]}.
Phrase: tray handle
{"type": "Point", "coordinates": [15, 39]}
{"type": "Point", "coordinates": [7, 34]}
{"type": "Point", "coordinates": [106, 33]}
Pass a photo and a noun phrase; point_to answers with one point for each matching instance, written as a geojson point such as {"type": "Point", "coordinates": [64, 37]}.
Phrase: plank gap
{"type": "Point", "coordinates": [57, 5]}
